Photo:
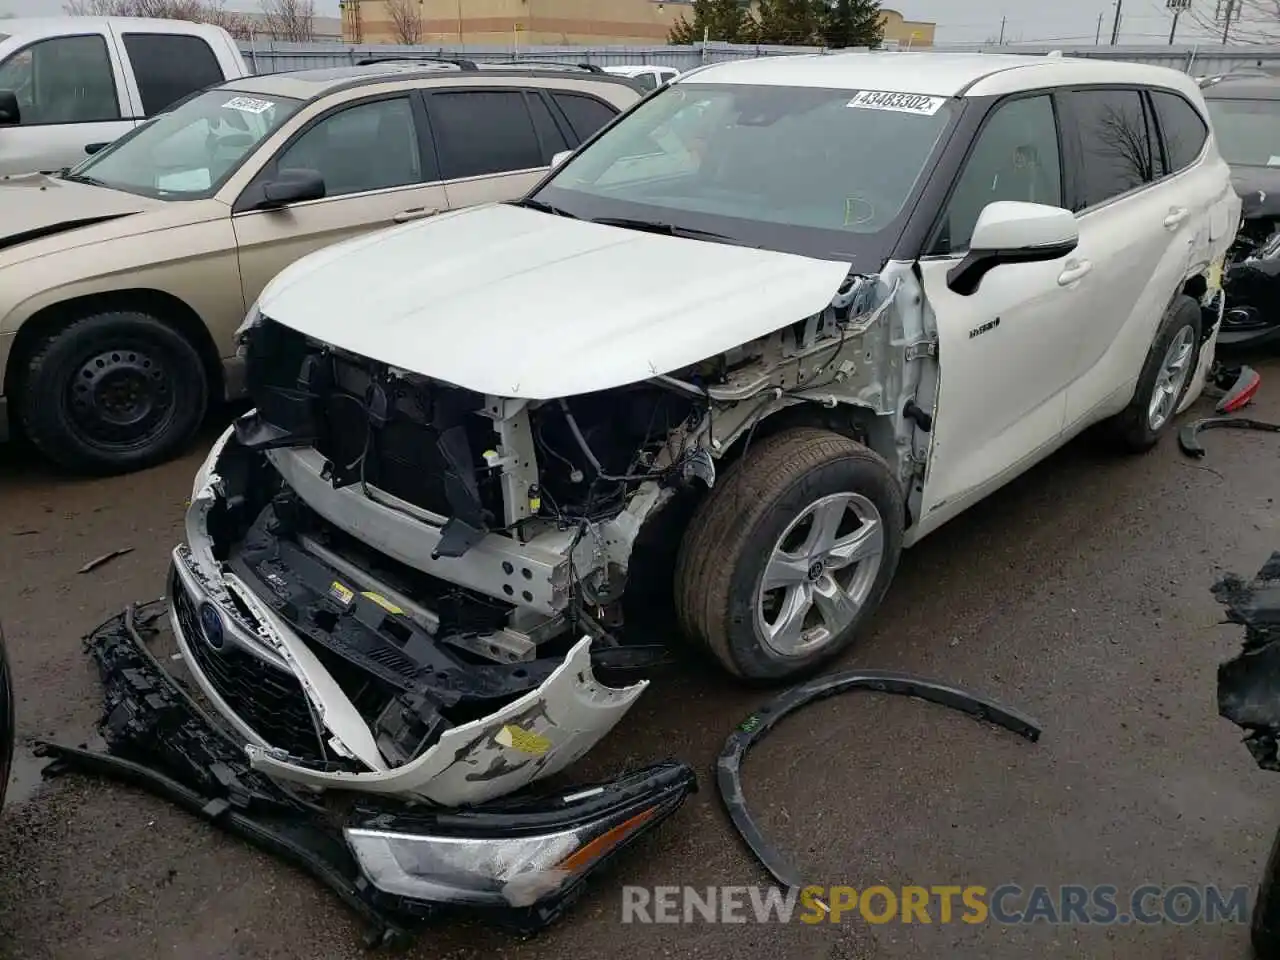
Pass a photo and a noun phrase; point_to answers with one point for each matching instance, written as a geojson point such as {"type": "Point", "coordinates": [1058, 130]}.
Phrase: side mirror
{"type": "Point", "coordinates": [10, 114]}
{"type": "Point", "coordinates": [93, 148]}
{"type": "Point", "coordinates": [292, 186]}
{"type": "Point", "coordinates": [560, 158]}
{"type": "Point", "coordinates": [1008, 231]}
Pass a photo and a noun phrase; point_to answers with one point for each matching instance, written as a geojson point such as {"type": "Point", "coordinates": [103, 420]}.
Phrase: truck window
{"type": "Point", "coordinates": [62, 80]}
{"type": "Point", "coordinates": [168, 67]}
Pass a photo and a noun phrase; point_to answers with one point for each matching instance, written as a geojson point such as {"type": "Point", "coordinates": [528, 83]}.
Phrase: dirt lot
{"type": "Point", "coordinates": [1079, 594]}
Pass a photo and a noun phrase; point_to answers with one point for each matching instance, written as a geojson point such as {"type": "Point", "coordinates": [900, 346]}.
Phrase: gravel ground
{"type": "Point", "coordinates": [1079, 594]}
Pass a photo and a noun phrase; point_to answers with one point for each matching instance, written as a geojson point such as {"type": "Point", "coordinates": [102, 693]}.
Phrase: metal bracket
{"type": "Point", "coordinates": [922, 349]}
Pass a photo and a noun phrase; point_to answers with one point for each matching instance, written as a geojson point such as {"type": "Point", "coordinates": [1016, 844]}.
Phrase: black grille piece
{"type": "Point", "coordinates": [266, 699]}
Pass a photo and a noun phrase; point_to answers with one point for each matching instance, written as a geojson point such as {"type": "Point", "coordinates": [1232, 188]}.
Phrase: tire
{"type": "Point", "coordinates": [113, 393]}
{"type": "Point", "coordinates": [1264, 923]}
{"type": "Point", "coordinates": [769, 493]}
{"type": "Point", "coordinates": [1133, 429]}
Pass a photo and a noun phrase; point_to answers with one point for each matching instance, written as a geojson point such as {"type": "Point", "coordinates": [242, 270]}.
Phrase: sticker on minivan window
{"type": "Point", "coordinates": [898, 102]}
{"type": "Point", "coordinates": [248, 105]}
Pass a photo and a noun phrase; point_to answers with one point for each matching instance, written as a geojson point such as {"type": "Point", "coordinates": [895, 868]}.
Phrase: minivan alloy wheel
{"type": "Point", "coordinates": [820, 574]}
{"type": "Point", "coordinates": [1174, 370]}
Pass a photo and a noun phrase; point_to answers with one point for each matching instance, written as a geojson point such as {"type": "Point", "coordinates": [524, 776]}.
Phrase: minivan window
{"type": "Point", "coordinates": [62, 80]}
{"type": "Point", "coordinates": [1117, 151]}
{"type": "Point", "coordinates": [341, 148]}
{"type": "Point", "coordinates": [190, 151]}
{"type": "Point", "coordinates": [480, 132]}
{"type": "Point", "coordinates": [1248, 131]}
{"type": "Point", "coordinates": [169, 66]}
{"type": "Point", "coordinates": [1014, 158]}
{"type": "Point", "coordinates": [801, 169]}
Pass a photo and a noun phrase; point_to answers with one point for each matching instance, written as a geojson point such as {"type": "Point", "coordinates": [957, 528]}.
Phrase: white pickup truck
{"type": "Point", "coordinates": [69, 84]}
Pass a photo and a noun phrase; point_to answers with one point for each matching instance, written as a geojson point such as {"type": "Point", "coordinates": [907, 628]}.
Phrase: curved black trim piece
{"type": "Point", "coordinates": [1190, 442]}
{"type": "Point", "coordinates": [754, 728]}
{"type": "Point", "coordinates": [966, 275]}
{"type": "Point", "coordinates": [53, 229]}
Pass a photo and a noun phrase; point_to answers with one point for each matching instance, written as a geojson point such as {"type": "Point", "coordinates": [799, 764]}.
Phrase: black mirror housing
{"type": "Point", "coordinates": [966, 275]}
{"type": "Point", "coordinates": [92, 148]}
{"type": "Point", "coordinates": [292, 186]}
{"type": "Point", "coordinates": [10, 113]}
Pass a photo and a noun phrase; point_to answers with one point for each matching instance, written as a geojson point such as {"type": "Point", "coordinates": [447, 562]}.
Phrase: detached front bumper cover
{"type": "Point", "coordinates": [520, 861]}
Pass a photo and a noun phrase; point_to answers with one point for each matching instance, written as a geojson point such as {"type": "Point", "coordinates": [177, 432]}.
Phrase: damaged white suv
{"type": "Point", "coordinates": [775, 323]}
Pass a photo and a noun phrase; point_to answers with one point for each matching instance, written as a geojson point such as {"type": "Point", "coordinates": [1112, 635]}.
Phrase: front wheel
{"type": "Point", "coordinates": [790, 554]}
{"type": "Point", "coordinates": [113, 393]}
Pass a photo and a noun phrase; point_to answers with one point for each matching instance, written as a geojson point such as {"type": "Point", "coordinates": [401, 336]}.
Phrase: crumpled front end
{"type": "Point", "coordinates": [333, 684]}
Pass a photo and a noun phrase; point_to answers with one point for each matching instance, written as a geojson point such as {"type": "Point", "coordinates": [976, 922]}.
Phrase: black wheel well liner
{"type": "Point", "coordinates": [163, 306]}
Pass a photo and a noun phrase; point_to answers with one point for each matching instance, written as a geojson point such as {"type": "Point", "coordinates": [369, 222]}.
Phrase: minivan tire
{"type": "Point", "coordinates": [1131, 430]}
{"type": "Point", "coordinates": [767, 513]}
{"type": "Point", "coordinates": [113, 393]}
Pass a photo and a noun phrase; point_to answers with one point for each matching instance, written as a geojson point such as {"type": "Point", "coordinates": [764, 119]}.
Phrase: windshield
{"type": "Point", "coordinates": [188, 152]}
{"type": "Point", "coordinates": [823, 173]}
{"type": "Point", "coordinates": [1248, 131]}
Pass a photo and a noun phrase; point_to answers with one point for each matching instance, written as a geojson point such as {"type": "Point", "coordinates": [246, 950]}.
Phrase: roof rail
{"type": "Point", "coordinates": [459, 62]}
{"type": "Point", "coordinates": [589, 67]}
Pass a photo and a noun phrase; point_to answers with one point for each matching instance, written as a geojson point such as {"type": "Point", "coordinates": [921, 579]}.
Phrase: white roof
{"type": "Point", "coordinates": [934, 74]}
{"type": "Point", "coordinates": [50, 26]}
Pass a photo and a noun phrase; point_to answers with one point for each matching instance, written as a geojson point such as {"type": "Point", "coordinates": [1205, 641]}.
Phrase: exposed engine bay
{"type": "Point", "coordinates": [396, 585]}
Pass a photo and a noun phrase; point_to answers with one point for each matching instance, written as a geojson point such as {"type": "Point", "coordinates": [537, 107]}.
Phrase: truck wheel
{"type": "Point", "coordinates": [1165, 377]}
{"type": "Point", "coordinates": [790, 553]}
{"type": "Point", "coordinates": [113, 393]}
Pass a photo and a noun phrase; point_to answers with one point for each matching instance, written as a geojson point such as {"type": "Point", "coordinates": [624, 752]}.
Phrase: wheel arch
{"type": "Point", "coordinates": [860, 424]}
{"type": "Point", "coordinates": [163, 306]}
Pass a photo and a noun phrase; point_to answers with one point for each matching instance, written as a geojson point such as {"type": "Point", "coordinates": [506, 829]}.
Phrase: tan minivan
{"type": "Point", "coordinates": [123, 280]}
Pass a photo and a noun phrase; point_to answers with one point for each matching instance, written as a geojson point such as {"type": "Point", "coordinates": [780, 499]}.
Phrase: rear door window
{"type": "Point", "coordinates": [482, 132]}
{"type": "Point", "coordinates": [168, 67]}
{"type": "Point", "coordinates": [1182, 129]}
{"type": "Point", "coordinates": [550, 136]}
{"type": "Point", "coordinates": [585, 114]}
{"type": "Point", "coordinates": [1118, 153]}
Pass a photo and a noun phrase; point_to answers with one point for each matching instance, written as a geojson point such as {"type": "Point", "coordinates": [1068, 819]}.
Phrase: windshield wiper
{"type": "Point", "coordinates": [81, 178]}
{"type": "Point", "coordinates": [671, 230]}
{"type": "Point", "coordinates": [543, 207]}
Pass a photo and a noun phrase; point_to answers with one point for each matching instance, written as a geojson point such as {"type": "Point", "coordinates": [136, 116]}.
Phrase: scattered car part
{"type": "Point", "coordinates": [1249, 696]}
{"type": "Point", "coordinates": [1239, 385]}
{"type": "Point", "coordinates": [8, 730]}
{"type": "Point", "coordinates": [107, 557]}
{"type": "Point", "coordinates": [756, 726]}
{"type": "Point", "coordinates": [521, 861]}
{"type": "Point", "coordinates": [1188, 436]}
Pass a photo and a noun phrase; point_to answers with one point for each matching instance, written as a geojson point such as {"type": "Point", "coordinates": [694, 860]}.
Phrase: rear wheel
{"type": "Point", "coordinates": [790, 554]}
{"type": "Point", "coordinates": [1166, 376]}
{"type": "Point", "coordinates": [113, 393]}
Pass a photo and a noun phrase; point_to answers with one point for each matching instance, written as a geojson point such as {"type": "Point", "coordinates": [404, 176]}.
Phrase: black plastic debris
{"type": "Point", "coordinates": [752, 730]}
{"type": "Point", "coordinates": [160, 739]}
{"type": "Point", "coordinates": [1249, 684]}
{"type": "Point", "coordinates": [1189, 440]}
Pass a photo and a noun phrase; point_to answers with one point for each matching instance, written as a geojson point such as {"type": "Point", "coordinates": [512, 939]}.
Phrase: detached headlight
{"type": "Point", "coordinates": [514, 854]}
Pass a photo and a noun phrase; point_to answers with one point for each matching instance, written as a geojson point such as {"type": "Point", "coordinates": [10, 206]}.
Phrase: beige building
{"type": "Point", "coordinates": [545, 22]}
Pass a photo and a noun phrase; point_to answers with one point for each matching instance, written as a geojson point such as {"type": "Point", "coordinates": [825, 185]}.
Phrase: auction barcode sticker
{"type": "Point", "coordinates": [898, 102]}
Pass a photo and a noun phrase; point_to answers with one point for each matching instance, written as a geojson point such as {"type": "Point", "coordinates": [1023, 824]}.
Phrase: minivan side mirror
{"type": "Point", "coordinates": [10, 114]}
{"type": "Point", "coordinates": [1010, 231]}
{"type": "Point", "coordinates": [292, 186]}
{"type": "Point", "coordinates": [560, 158]}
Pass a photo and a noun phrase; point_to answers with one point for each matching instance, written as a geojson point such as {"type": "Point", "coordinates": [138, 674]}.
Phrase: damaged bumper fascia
{"type": "Point", "coordinates": [534, 736]}
{"type": "Point", "coordinates": [522, 859]}
{"type": "Point", "coordinates": [1249, 684]}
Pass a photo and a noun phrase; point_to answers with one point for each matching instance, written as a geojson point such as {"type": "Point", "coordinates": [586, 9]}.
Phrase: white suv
{"type": "Point", "coordinates": [773, 324]}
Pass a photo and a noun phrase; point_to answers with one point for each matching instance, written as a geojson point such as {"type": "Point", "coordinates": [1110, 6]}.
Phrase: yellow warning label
{"type": "Point", "coordinates": [383, 602]}
{"type": "Point", "coordinates": [342, 593]}
{"type": "Point", "coordinates": [526, 741]}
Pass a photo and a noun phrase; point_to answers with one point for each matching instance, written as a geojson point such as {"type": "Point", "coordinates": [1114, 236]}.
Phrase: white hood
{"type": "Point", "coordinates": [511, 302]}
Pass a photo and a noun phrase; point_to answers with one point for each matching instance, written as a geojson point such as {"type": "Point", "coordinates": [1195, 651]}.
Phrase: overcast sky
{"type": "Point", "coordinates": [959, 21]}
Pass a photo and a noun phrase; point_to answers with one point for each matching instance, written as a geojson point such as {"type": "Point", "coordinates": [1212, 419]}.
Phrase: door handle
{"type": "Point", "coordinates": [1175, 218]}
{"type": "Point", "coordinates": [418, 213]}
{"type": "Point", "coordinates": [1074, 271]}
